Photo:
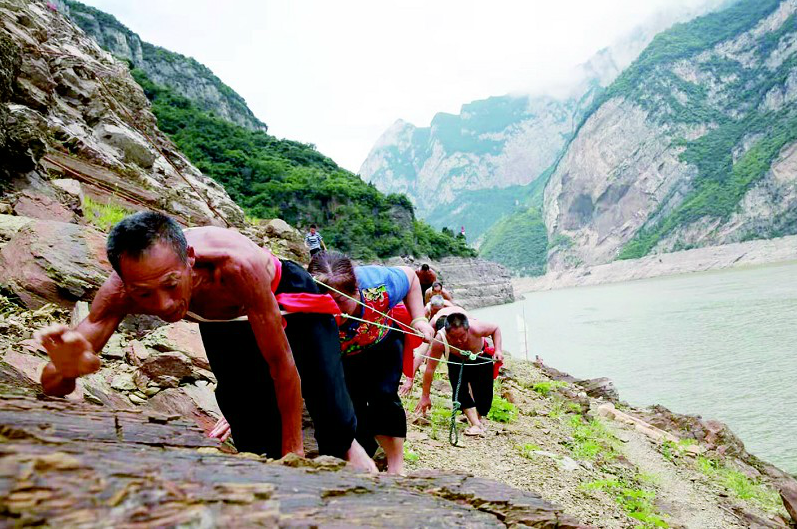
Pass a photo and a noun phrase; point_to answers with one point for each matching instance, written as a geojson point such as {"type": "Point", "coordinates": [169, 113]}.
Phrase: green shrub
{"type": "Point", "coordinates": [545, 387]}
{"type": "Point", "coordinates": [502, 410]}
{"type": "Point", "coordinates": [638, 503]}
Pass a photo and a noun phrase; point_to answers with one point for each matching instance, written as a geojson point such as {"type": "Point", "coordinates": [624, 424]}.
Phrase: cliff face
{"type": "Point", "coordinates": [693, 145]}
{"type": "Point", "coordinates": [78, 127]}
{"type": "Point", "coordinates": [183, 74]}
{"type": "Point", "coordinates": [507, 145]}
{"type": "Point", "coordinates": [501, 142]}
{"type": "Point", "coordinates": [473, 282]}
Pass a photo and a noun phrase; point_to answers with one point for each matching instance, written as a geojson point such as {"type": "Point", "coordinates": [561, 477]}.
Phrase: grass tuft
{"type": "Point", "coordinates": [103, 216]}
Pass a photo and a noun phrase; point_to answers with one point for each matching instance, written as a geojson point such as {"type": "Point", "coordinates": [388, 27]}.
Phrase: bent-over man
{"type": "Point", "coordinates": [476, 387]}
{"type": "Point", "coordinates": [226, 282]}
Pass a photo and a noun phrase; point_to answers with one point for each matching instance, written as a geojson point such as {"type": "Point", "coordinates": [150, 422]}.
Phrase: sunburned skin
{"type": "Point", "coordinates": [224, 276]}
{"type": "Point", "coordinates": [472, 340]}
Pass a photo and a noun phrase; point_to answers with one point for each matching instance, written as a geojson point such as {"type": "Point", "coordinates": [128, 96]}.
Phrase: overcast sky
{"type": "Point", "coordinates": [338, 73]}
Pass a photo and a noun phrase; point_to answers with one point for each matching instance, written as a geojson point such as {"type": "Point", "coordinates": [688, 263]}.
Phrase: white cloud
{"type": "Point", "coordinates": [337, 74]}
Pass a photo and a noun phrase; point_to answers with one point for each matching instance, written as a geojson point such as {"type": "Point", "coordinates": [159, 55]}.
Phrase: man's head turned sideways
{"type": "Point", "coordinates": [149, 252]}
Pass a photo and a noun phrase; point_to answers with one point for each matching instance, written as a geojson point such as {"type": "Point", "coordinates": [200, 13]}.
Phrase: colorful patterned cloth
{"type": "Point", "coordinates": [381, 289]}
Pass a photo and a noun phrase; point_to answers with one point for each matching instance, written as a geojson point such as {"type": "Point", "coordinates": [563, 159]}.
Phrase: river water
{"type": "Point", "coordinates": [719, 344]}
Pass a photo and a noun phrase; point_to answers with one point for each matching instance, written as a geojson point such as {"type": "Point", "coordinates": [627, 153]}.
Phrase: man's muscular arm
{"type": "Point", "coordinates": [253, 282]}
{"type": "Point", "coordinates": [425, 402]}
{"type": "Point", "coordinates": [73, 353]}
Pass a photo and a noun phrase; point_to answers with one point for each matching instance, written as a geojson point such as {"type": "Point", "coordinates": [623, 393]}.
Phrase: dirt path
{"type": "Point", "coordinates": [678, 490]}
{"type": "Point", "coordinates": [601, 472]}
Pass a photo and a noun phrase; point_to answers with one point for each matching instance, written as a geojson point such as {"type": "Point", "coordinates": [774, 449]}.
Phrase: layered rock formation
{"type": "Point", "coordinates": [76, 125]}
{"type": "Point", "coordinates": [473, 282]}
{"type": "Point", "coordinates": [78, 465]}
{"type": "Point", "coordinates": [184, 75]}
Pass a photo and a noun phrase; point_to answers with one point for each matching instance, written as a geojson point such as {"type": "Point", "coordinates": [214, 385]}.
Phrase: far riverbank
{"type": "Point", "coordinates": [748, 253]}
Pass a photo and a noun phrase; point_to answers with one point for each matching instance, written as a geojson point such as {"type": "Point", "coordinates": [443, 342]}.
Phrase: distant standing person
{"type": "Point", "coordinates": [314, 241]}
{"type": "Point", "coordinates": [426, 277]}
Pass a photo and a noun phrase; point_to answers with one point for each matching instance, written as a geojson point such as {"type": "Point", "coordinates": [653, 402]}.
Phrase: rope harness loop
{"type": "Point", "coordinates": [467, 354]}
{"type": "Point", "coordinates": [453, 431]}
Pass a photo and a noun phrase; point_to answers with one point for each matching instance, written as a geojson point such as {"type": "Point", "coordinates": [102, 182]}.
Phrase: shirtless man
{"type": "Point", "coordinates": [437, 290]}
{"type": "Point", "coordinates": [476, 389]}
{"type": "Point", "coordinates": [226, 282]}
{"type": "Point", "coordinates": [435, 304]}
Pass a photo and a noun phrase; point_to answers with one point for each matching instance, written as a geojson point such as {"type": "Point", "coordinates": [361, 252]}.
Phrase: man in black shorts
{"type": "Point", "coordinates": [225, 281]}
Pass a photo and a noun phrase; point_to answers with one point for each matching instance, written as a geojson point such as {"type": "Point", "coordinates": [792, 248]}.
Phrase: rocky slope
{"type": "Point", "coordinates": [184, 75]}
{"type": "Point", "coordinates": [606, 463]}
{"type": "Point", "coordinates": [76, 126]}
{"type": "Point", "coordinates": [472, 282]}
{"type": "Point", "coordinates": [693, 145]}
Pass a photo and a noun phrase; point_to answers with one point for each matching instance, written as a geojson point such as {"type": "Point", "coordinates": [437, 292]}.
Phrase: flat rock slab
{"type": "Point", "coordinates": [66, 464]}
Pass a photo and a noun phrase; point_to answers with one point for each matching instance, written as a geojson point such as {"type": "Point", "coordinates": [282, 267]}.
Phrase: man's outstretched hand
{"type": "Point", "coordinates": [70, 352]}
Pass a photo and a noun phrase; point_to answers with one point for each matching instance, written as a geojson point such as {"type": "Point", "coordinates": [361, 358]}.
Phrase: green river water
{"type": "Point", "coordinates": [719, 344]}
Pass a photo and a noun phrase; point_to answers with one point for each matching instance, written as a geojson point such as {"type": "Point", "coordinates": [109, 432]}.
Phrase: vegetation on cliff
{"type": "Point", "coordinates": [729, 96]}
{"type": "Point", "coordinates": [181, 73]}
{"type": "Point", "coordinates": [270, 178]}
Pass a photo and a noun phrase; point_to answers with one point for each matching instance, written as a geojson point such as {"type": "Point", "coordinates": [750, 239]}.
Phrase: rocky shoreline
{"type": "Point", "coordinates": [606, 463]}
{"type": "Point", "coordinates": [750, 253]}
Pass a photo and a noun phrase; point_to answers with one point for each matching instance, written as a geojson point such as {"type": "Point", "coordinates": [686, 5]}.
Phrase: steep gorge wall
{"type": "Point", "coordinates": [184, 75]}
{"type": "Point", "coordinates": [694, 145]}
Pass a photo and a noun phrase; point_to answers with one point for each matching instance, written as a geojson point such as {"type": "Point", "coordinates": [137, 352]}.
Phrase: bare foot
{"type": "Point", "coordinates": [359, 460]}
{"type": "Point", "coordinates": [474, 431]}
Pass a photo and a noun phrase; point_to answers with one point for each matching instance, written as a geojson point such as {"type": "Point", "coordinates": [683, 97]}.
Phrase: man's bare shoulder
{"type": "Point", "coordinates": [482, 328]}
{"type": "Point", "coordinates": [229, 253]}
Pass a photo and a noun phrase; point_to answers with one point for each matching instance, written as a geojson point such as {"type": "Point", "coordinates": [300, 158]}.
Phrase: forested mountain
{"type": "Point", "coordinates": [267, 176]}
{"type": "Point", "coordinates": [693, 145]}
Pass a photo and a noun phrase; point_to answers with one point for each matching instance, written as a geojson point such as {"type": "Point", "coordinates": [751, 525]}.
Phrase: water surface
{"type": "Point", "coordinates": [720, 344]}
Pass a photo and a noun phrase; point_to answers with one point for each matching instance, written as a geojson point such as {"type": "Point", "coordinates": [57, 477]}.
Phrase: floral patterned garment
{"type": "Point", "coordinates": [381, 289]}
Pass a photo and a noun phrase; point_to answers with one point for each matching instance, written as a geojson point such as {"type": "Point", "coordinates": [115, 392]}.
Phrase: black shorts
{"type": "Point", "coordinates": [315, 251]}
{"type": "Point", "coordinates": [476, 389]}
{"type": "Point", "coordinates": [245, 391]}
{"type": "Point", "coordinates": [373, 377]}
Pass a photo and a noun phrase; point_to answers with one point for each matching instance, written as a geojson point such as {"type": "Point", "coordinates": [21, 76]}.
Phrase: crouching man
{"type": "Point", "coordinates": [474, 377]}
{"type": "Point", "coordinates": [230, 285]}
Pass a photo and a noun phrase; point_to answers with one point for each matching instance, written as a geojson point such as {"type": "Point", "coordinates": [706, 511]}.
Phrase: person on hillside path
{"type": "Point", "coordinates": [373, 351]}
{"type": "Point", "coordinates": [476, 387]}
{"type": "Point", "coordinates": [427, 277]}
{"type": "Point", "coordinates": [314, 241]}
{"type": "Point", "coordinates": [234, 289]}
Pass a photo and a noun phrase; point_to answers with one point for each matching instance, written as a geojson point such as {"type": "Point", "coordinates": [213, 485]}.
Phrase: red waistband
{"type": "Point", "coordinates": [301, 301]}
{"type": "Point", "coordinates": [275, 281]}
